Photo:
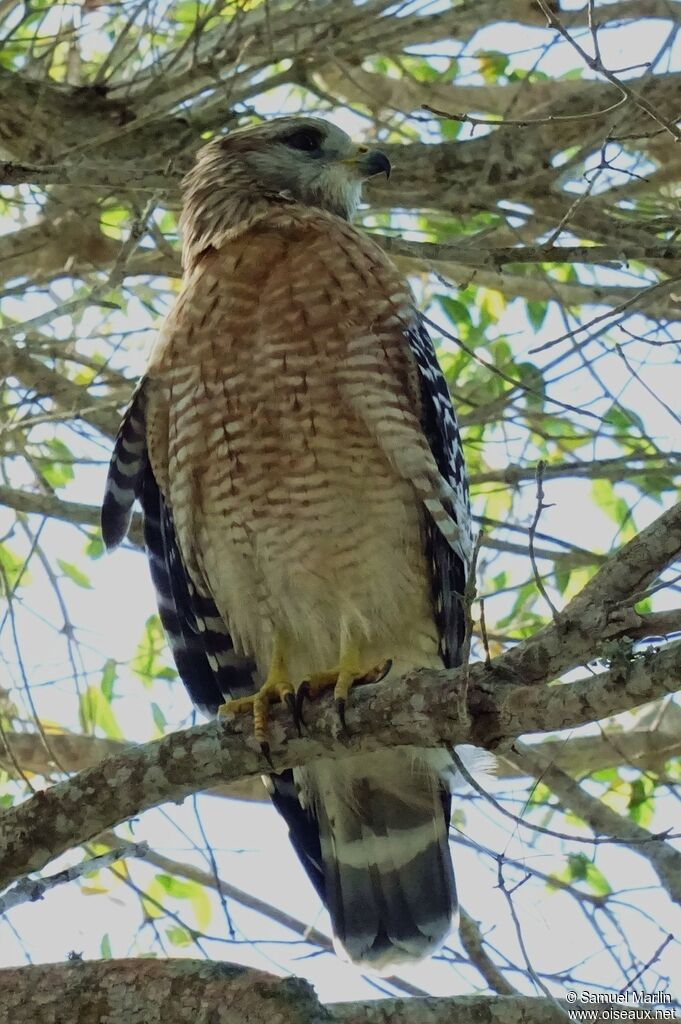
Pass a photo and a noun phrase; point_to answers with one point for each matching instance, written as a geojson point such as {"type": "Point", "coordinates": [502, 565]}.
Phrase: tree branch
{"type": "Point", "coordinates": [618, 468]}
{"type": "Point", "coordinates": [425, 708]}
{"type": "Point", "coordinates": [664, 858]}
{"type": "Point", "coordinates": [71, 398]}
{"type": "Point", "coordinates": [28, 890]}
{"type": "Point", "coordinates": [652, 740]}
{"type": "Point", "coordinates": [191, 991]}
{"type": "Point", "coordinates": [600, 611]}
{"type": "Point", "coordinates": [473, 944]}
{"type": "Point", "coordinates": [636, 680]}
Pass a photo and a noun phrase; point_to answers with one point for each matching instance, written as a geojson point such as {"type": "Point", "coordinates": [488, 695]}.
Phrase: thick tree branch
{"type": "Point", "coordinates": [195, 992]}
{"type": "Point", "coordinates": [632, 681]}
{"type": "Point", "coordinates": [426, 708]}
{"type": "Point", "coordinates": [653, 739]}
{"type": "Point", "coordinates": [79, 256]}
{"type": "Point", "coordinates": [54, 507]}
{"type": "Point", "coordinates": [655, 300]}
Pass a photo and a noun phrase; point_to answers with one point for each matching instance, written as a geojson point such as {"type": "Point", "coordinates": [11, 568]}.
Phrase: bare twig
{"type": "Point", "coordinates": [524, 122]}
{"type": "Point", "coordinates": [28, 890]}
{"type": "Point", "coordinates": [541, 506]}
{"type": "Point", "coordinates": [596, 64]}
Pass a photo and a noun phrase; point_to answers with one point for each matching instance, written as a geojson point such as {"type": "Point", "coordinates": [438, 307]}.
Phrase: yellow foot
{"type": "Point", "coordinates": [276, 688]}
{"type": "Point", "coordinates": [342, 679]}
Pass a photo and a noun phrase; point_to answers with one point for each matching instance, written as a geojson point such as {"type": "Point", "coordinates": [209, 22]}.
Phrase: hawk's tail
{"type": "Point", "coordinates": [383, 823]}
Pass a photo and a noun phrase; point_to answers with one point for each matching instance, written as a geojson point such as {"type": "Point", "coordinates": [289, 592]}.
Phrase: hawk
{"type": "Point", "coordinates": [298, 463]}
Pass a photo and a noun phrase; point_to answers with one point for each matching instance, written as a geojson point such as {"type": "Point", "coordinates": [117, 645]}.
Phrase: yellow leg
{"type": "Point", "coordinates": [277, 687]}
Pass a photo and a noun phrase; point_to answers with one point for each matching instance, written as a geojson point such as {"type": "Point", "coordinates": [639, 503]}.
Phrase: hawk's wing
{"type": "Point", "coordinates": [449, 562]}
{"type": "Point", "coordinates": [202, 648]}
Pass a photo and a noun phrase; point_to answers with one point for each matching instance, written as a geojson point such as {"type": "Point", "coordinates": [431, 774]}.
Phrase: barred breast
{"type": "Point", "coordinates": [270, 469]}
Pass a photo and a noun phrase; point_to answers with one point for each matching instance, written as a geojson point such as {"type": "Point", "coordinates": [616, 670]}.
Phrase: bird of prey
{"type": "Point", "coordinates": [306, 516]}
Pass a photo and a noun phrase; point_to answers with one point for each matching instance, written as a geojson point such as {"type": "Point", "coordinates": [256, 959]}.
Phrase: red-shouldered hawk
{"type": "Point", "coordinates": [296, 455]}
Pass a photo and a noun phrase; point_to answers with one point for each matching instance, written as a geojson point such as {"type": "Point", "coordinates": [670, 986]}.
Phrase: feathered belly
{"type": "Point", "coordinates": [300, 525]}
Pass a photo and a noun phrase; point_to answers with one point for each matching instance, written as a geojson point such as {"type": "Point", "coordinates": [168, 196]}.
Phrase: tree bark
{"type": "Point", "coordinates": [196, 992]}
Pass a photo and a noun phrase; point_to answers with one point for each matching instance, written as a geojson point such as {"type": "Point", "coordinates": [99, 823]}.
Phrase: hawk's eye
{"type": "Point", "coordinates": [306, 139]}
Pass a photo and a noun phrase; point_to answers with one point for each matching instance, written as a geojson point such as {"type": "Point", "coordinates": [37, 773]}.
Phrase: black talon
{"type": "Point", "coordinates": [372, 677]}
{"type": "Point", "coordinates": [292, 704]}
{"type": "Point", "coordinates": [384, 669]}
{"type": "Point", "coordinates": [265, 751]}
{"type": "Point", "coordinates": [302, 692]}
{"type": "Point", "coordinates": [340, 711]}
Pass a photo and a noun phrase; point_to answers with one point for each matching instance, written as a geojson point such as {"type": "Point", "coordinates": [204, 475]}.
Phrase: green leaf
{"type": "Point", "coordinates": [492, 303]}
{"type": "Point", "coordinates": [533, 379]}
{"type": "Point", "coordinates": [623, 419]}
{"type": "Point", "coordinates": [561, 575]}
{"type": "Point", "coordinates": [580, 869]}
{"type": "Point", "coordinates": [493, 64]}
{"type": "Point", "coordinates": [94, 547]}
{"type": "Point", "coordinates": [606, 775]}
{"type": "Point", "coordinates": [58, 471]}
{"type": "Point", "coordinates": [653, 485]}
{"type": "Point", "coordinates": [95, 713]}
{"type": "Point", "coordinates": [641, 803]}
{"type": "Point", "coordinates": [12, 568]}
{"type": "Point", "coordinates": [501, 352]}
{"type": "Point", "coordinates": [159, 718]}
{"type": "Point", "coordinates": [105, 948]}
{"type": "Point", "coordinates": [180, 889]}
{"type": "Point", "coordinates": [108, 679]}
{"type": "Point", "coordinates": [578, 866]}
{"type": "Point", "coordinates": [541, 794]}
{"type": "Point", "coordinates": [606, 498]}
{"type": "Point", "coordinates": [147, 663]}
{"type": "Point", "coordinates": [597, 882]}
{"type": "Point", "coordinates": [75, 574]}
{"type": "Point", "coordinates": [179, 936]}
{"type": "Point", "coordinates": [536, 312]}
{"type": "Point", "coordinates": [457, 312]}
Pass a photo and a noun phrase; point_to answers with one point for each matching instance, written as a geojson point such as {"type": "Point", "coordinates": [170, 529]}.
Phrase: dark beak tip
{"type": "Point", "coordinates": [377, 163]}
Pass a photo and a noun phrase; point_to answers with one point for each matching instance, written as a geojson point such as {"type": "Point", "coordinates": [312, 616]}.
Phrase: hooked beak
{"type": "Point", "coordinates": [369, 162]}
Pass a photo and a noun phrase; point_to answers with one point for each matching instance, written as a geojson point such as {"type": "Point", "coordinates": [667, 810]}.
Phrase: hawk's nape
{"type": "Point", "coordinates": [299, 467]}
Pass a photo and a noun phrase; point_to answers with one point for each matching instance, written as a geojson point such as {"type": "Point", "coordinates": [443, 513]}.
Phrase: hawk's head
{"type": "Point", "coordinates": [308, 159]}
{"type": "Point", "coordinates": [300, 158]}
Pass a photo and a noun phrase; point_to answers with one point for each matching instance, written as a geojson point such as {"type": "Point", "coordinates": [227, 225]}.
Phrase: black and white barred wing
{"type": "Point", "coordinates": [449, 558]}
{"type": "Point", "coordinates": [202, 648]}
